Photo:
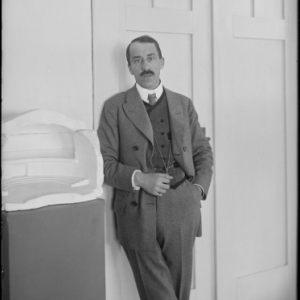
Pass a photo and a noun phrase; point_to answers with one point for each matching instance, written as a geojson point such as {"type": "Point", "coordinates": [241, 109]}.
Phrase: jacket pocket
{"type": "Point", "coordinates": [196, 192]}
{"type": "Point", "coordinates": [120, 201]}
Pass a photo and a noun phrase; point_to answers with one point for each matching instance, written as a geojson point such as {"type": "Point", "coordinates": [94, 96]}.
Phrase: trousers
{"type": "Point", "coordinates": [166, 272]}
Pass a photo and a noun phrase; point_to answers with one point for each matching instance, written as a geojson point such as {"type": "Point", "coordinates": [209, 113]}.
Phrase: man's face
{"type": "Point", "coordinates": [145, 64]}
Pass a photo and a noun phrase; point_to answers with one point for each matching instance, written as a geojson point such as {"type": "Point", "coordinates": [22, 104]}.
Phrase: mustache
{"type": "Point", "coordinates": [147, 72]}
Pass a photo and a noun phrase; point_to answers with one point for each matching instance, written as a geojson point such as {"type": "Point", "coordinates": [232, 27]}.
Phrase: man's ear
{"type": "Point", "coordinates": [130, 70]}
{"type": "Point", "coordinates": [162, 63]}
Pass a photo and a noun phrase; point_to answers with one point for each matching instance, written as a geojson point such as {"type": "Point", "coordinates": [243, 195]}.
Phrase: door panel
{"type": "Point", "coordinates": [259, 188]}
{"type": "Point", "coordinates": [269, 8]}
{"type": "Point", "coordinates": [139, 3]}
{"type": "Point", "coordinates": [253, 235]}
{"type": "Point", "coordinates": [182, 28]}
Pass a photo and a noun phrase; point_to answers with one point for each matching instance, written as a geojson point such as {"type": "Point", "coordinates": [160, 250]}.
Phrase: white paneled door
{"type": "Point", "coordinates": [237, 60]}
{"type": "Point", "coordinates": [255, 149]}
{"type": "Point", "coordinates": [182, 28]}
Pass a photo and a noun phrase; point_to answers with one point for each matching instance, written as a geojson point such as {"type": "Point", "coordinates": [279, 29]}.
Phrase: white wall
{"type": "Point", "coordinates": [48, 64]}
{"type": "Point", "coordinates": [47, 57]}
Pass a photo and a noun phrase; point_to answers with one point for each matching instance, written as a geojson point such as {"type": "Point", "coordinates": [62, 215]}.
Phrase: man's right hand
{"type": "Point", "coordinates": [153, 183]}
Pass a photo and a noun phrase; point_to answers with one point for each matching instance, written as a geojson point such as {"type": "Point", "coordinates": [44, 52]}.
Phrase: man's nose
{"type": "Point", "coordinates": [145, 65]}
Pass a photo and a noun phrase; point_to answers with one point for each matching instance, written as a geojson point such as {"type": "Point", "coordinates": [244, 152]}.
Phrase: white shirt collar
{"type": "Point", "coordinates": [144, 92]}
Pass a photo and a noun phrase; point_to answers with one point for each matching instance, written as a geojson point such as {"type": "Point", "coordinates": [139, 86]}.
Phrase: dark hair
{"type": "Point", "coordinates": [143, 39]}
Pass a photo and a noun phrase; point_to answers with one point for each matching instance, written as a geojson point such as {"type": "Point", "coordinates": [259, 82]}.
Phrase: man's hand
{"type": "Point", "coordinates": [153, 183]}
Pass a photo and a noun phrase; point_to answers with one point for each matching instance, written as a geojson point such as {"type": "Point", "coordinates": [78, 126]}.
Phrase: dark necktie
{"type": "Point", "coordinates": [152, 98]}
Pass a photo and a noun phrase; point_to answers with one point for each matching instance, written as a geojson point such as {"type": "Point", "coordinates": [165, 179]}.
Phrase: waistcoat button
{"type": "Point", "coordinates": [133, 203]}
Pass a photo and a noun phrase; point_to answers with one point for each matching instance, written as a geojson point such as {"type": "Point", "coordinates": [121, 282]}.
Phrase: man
{"type": "Point", "coordinates": [160, 163]}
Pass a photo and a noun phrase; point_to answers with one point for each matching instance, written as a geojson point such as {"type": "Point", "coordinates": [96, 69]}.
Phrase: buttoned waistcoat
{"type": "Point", "coordinates": [126, 141]}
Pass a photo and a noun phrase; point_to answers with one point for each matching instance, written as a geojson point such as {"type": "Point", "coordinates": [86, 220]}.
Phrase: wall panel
{"type": "Point", "coordinates": [255, 235]}
{"type": "Point", "coordinates": [47, 57]}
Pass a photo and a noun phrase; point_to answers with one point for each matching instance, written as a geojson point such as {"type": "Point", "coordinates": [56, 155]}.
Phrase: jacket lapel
{"type": "Point", "coordinates": [177, 122]}
{"type": "Point", "coordinates": [136, 112]}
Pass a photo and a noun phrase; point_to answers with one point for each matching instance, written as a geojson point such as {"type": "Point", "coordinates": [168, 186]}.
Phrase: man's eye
{"type": "Point", "coordinates": [150, 58]}
{"type": "Point", "coordinates": [137, 61]}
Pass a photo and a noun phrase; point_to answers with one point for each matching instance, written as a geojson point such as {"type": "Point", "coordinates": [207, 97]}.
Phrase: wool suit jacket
{"type": "Point", "coordinates": [126, 141]}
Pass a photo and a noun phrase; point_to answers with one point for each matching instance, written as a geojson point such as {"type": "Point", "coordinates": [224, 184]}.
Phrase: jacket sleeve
{"type": "Point", "coordinates": [116, 174]}
{"type": "Point", "coordinates": [201, 151]}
